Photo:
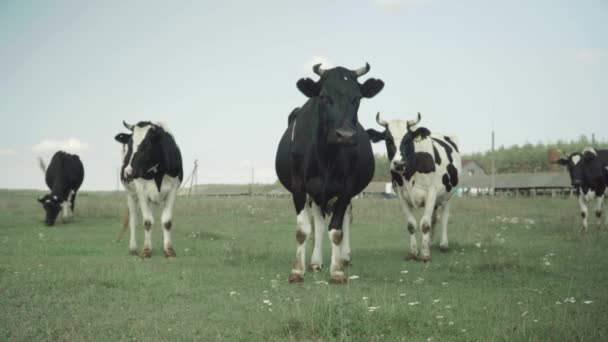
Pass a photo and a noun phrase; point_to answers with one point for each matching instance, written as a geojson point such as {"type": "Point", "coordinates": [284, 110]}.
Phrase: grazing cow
{"type": "Point", "coordinates": [324, 159]}
{"type": "Point", "coordinates": [151, 173]}
{"type": "Point", "coordinates": [424, 168]}
{"type": "Point", "coordinates": [64, 177]}
{"type": "Point", "coordinates": [589, 175]}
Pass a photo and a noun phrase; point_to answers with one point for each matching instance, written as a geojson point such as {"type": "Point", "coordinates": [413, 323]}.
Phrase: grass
{"type": "Point", "coordinates": [517, 270]}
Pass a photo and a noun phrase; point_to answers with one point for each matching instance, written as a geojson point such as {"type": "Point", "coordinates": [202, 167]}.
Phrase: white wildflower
{"type": "Point", "coordinates": [404, 271]}
{"type": "Point", "coordinates": [232, 293]}
{"type": "Point", "coordinates": [588, 302]}
{"type": "Point", "coordinates": [413, 303]}
{"type": "Point", "coordinates": [402, 295]}
{"type": "Point", "coordinates": [365, 298]}
{"type": "Point", "coordinates": [436, 301]}
{"type": "Point", "coordinates": [478, 245]}
{"type": "Point", "coordinates": [353, 277]}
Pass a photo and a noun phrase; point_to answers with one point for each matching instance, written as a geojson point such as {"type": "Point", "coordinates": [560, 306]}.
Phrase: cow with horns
{"type": "Point", "coordinates": [589, 175]}
{"type": "Point", "coordinates": [324, 159]}
{"type": "Point", "coordinates": [151, 173]}
{"type": "Point", "coordinates": [424, 169]}
{"type": "Point", "coordinates": [64, 177]}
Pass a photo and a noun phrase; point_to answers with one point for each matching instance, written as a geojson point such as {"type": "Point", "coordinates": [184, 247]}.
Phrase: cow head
{"type": "Point", "coordinates": [141, 149]}
{"type": "Point", "coordinates": [402, 140]}
{"type": "Point", "coordinates": [339, 94]}
{"type": "Point", "coordinates": [52, 207]}
{"type": "Point", "coordinates": [580, 166]}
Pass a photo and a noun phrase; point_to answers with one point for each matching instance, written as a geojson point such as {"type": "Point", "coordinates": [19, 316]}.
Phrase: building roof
{"type": "Point", "coordinates": [519, 181]}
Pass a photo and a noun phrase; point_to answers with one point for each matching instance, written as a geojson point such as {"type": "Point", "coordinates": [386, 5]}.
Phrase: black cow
{"type": "Point", "coordinates": [325, 158]}
{"type": "Point", "coordinates": [589, 175]}
{"type": "Point", "coordinates": [63, 176]}
{"type": "Point", "coordinates": [151, 173]}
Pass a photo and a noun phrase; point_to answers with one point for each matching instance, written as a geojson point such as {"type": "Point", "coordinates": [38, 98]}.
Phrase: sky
{"type": "Point", "coordinates": [222, 74]}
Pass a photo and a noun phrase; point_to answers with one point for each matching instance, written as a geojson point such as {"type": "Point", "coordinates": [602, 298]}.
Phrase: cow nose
{"type": "Point", "coordinates": [346, 136]}
{"type": "Point", "coordinates": [398, 165]}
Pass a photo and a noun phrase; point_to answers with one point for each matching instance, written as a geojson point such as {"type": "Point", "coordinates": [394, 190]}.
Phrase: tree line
{"type": "Point", "coordinates": [513, 159]}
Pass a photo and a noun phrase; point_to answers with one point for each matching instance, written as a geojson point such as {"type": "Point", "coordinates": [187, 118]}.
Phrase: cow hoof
{"type": "Point", "coordinates": [338, 279]}
{"type": "Point", "coordinates": [146, 253]}
{"type": "Point", "coordinates": [170, 253]}
{"type": "Point", "coordinates": [443, 248]}
{"type": "Point", "coordinates": [315, 267]}
{"type": "Point", "coordinates": [425, 258]}
{"type": "Point", "coordinates": [295, 278]}
{"type": "Point", "coordinates": [411, 256]}
{"type": "Point", "coordinates": [133, 252]}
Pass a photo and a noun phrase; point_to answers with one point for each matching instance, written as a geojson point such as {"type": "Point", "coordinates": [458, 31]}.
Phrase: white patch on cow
{"type": "Point", "coordinates": [139, 133]}
{"type": "Point", "coordinates": [303, 228]}
{"type": "Point", "coordinates": [575, 159]}
{"type": "Point", "coordinates": [132, 204]}
{"type": "Point", "coordinates": [66, 206]}
{"type": "Point", "coordinates": [348, 219]}
{"type": "Point", "coordinates": [589, 150]}
{"type": "Point", "coordinates": [398, 129]}
{"type": "Point", "coordinates": [153, 169]}
{"type": "Point", "coordinates": [345, 78]}
{"type": "Point", "coordinates": [582, 202]}
{"type": "Point", "coordinates": [293, 129]}
{"type": "Point", "coordinates": [336, 269]}
{"type": "Point", "coordinates": [319, 228]}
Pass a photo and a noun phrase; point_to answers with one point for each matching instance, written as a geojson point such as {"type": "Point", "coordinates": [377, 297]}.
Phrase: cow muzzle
{"type": "Point", "coordinates": [345, 136]}
{"type": "Point", "coordinates": [398, 166]}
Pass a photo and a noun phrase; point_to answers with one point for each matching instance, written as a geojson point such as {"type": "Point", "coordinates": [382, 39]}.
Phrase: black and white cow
{"type": "Point", "coordinates": [64, 177]}
{"type": "Point", "coordinates": [589, 175]}
{"type": "Point", "coordinates": [324, 159]}
{"type": "Point", "coordinates": [424, 168]}
{"type": "Point", "coordinates": [151, 173]}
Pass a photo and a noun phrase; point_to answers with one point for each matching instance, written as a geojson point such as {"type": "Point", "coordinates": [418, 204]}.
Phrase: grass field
{"type": "Point", "coordinates": [517, 270]}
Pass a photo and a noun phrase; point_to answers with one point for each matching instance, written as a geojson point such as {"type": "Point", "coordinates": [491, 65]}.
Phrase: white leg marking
{"type": "Point", "coordinates": [319, 228]}
{"type": "Point", "coordinates": [166, 218]}
{"type": "Point", "coordinates": [336, 268]}
{"type": "Point", "coordinates": [445, 214]}
{"type": "Point", "coordinates": [148, 217]}
{"type": "Point", "coordinates": [348, 218]}
{"type": "Point", "coordinates": [410, 224]}
{"type": "Point", "coordinates": [583, 204]}
{"type": "Point", "coordinates": [425, 224]}
{"type": "Point", "coordinates": [302, 232]}
{"type": "Point", "coordinates": [598, 209]}
{"type": "Point", "coordinates": [132, 204]}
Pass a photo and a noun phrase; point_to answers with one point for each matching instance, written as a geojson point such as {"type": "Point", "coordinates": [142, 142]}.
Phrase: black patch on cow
{"type": "Point", "coordinates": [375, 136]}
{"type": "Point", "coordinates": [437, 156]}
{"type": "Point", "coordinates": [424, 163]}
{"type": "Point", "coordinates": [453, 144]}
{"type": "Point", "coordinates": [396, 178]}
{"type": "Point", "coordinates": [453, 174]}
{"type": "Point", "coordinates": [446, 147]}
{"type": "Point", "coordinates": [446, 182]}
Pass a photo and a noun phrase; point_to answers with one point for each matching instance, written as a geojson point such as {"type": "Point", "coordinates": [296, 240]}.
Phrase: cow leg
{"type": "Point", "coordinates": [598, 210]}
{"type": "Point", "coordinates": [303, 228]}
{"type": "Point", "coordinates": [73, 201]}
{"type": "Point", "coordinates": [583, 204]}
{"type": "Point", "coordinates": [316, 261]}
{"type": "Point", "coordinates": [445, 214]}
{"type": "Point", "coordinates": [425, 225]}
{"type": "Point", "coordinates": [148, 217]}
{"type": "Point", "coordinates": [336, 236]}
{"type": "Point", "coordinates": [166, 220]}
{"type": "Point", "coordinates": [132, 204]}
{"type": "Point", "coordinates": [348, 220]}
{"type": "Point", "coordinates": [411, 225]}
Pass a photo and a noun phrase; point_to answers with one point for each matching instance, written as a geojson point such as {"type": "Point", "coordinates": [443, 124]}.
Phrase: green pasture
{"type": "Point", "coordinates": [517, 270]}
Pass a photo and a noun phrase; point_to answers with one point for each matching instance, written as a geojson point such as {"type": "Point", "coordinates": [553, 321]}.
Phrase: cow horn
{"type": "Point", "coordinates": [362, 70]}
{"type": "Point", "coordinates": [411, 123]}
{"type": "Point", "coordinates": [318, 70]}
{"type": "Point", "coordinates": [127, 126]}
{"type": "Point", "coordinates": [380, 121]}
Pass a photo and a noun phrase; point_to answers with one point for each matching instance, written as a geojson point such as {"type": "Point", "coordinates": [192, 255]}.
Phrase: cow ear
{"type": "Point", "coordinates": [421, 133]}
{"type": "Point", "coordinates": [122, 138]}
{"type": "Point", "coordinates": [308, 87]}
{"type": "Point", "coordinates": [376, 136]}
{"type": "Point", "coordinates": [371, 87]}
{"type": "Point", "coordinates": [562, 161]}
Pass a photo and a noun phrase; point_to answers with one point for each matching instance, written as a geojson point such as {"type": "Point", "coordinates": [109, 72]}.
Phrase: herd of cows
{"type": "Point", "coordinates": [324, 159]}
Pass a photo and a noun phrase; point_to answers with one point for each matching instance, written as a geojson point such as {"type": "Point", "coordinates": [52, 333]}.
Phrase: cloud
{"type": "Point", "coordinates": [7, 152]}
{"type": "Point", "coordinates": [589, 56]}
{"type": "Point", "coordinates": [325, 63]}
{"type": "Point", "coordinates": [392, 3]}
{"type": "Point", "coordinates": [69, 145]}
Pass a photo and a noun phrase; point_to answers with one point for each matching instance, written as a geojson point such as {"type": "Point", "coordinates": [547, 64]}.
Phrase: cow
{"type": "Point", "coordinates": [324, 159]}
{"type": "Point", "coordinates": [589, 175]}
{"type": "Point", "coordinates": [424, 169]}
{"type": "Point", "coordinates": [151, 173]}
{"type": "Point", "coordinates": [64, 177]}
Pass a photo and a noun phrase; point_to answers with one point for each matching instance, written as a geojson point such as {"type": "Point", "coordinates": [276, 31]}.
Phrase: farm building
{"type": "Point", "coordinates": [470, 168]}
{"type": "Point", "coordinates": [514, 184]}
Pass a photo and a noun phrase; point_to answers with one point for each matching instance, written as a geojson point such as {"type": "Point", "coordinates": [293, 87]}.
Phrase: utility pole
{"type": "Point", "coordinates": [493, 167]}
{"type": "Point", "coordinates": [252, 181]}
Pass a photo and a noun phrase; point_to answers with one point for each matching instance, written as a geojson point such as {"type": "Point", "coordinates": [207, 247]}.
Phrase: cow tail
{"type": "Point", "coordinates": [42, 165]}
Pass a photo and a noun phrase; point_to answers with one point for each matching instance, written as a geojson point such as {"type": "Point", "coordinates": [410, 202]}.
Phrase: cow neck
{"type": "Point", "coordinates": [59, 189]}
